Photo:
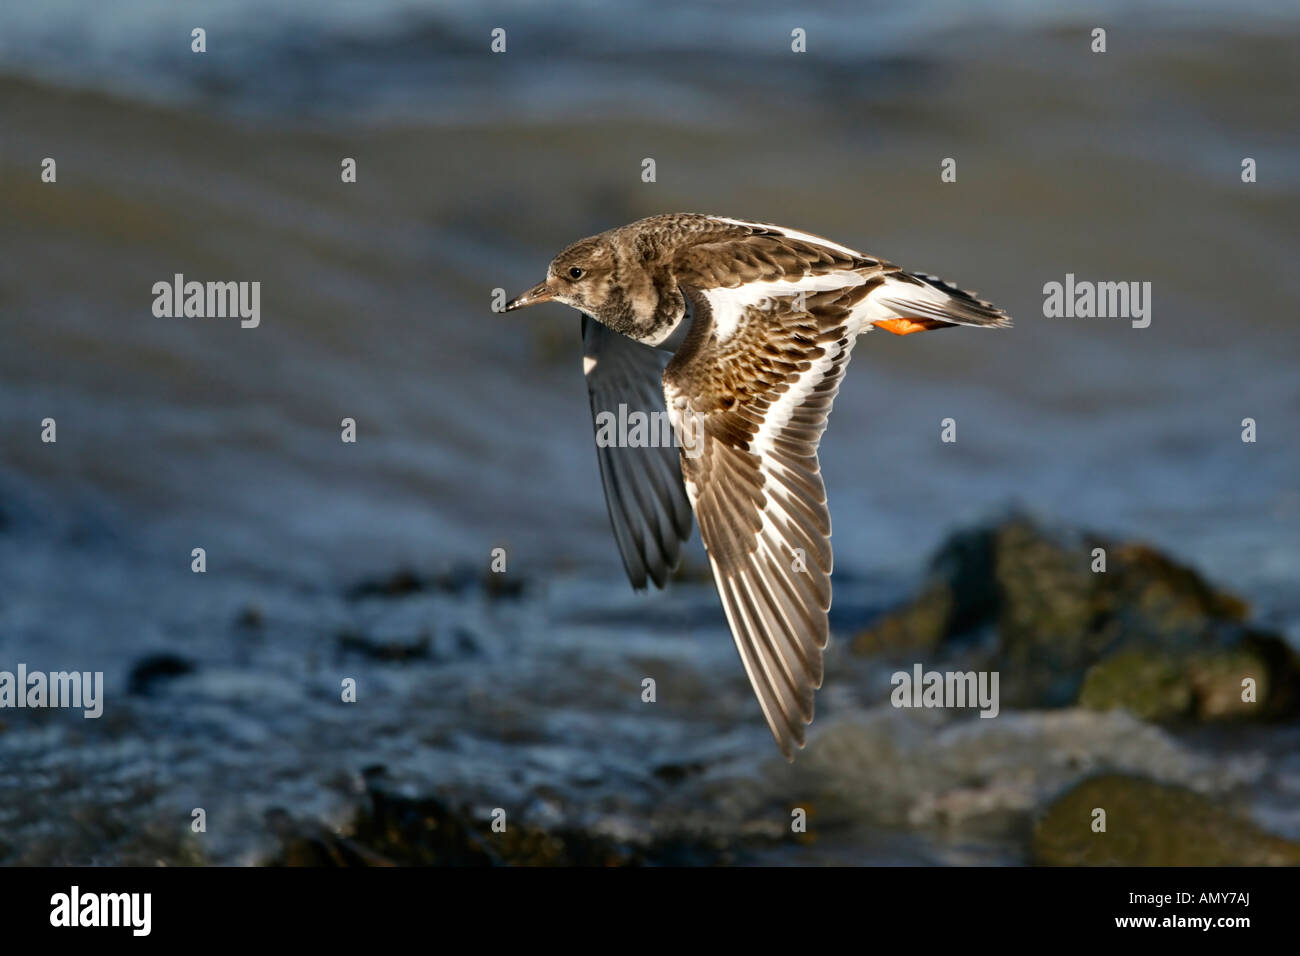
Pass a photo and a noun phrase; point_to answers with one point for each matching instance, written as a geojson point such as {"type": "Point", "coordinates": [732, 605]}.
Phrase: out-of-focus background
{"type": "Point", "coordinates": [328, 560]}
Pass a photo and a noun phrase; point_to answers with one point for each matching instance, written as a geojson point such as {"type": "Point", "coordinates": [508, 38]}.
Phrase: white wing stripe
{"type": "Point", "coordinates": [780, 412]}
{"type": "Point", "coordinates": [729, 305]}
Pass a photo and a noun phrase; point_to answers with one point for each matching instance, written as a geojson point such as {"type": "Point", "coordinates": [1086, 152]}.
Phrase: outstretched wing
{"type": "Point", "coordinates": [643, 483]}
{"type": "Point", "coordinates": [775, 313]}
{"type": "Point", "coordinates": [750, 391]}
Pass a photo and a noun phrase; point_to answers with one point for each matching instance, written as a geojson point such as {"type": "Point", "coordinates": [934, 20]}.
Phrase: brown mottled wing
{"type": "Point", "coordinates": [751, 410]}
{"type": "Point", "coordinates": [758, 253]}
{"type": "Point", "coordinates": [643, 484]}
{"type": "Point", "coordinates": [744, 256]}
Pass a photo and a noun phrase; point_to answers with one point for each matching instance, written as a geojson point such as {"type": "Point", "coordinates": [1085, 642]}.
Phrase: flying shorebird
{"type": "Point", "coordinates": [744, 330]}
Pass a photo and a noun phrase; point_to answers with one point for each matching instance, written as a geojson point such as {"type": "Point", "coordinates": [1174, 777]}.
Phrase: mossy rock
{"type": "Point", "coordinates": [1147, 684]}
{"type": "Point", "coordinates": [1197, 685]}
{"type": "Point", "coordinates": [921, 625]}
{"type": "Point", "coordinates": [395, 830]}
{"type": "Point", "coordinates": [1150, 824]}
{"type": "Point", "coordinates": [1057, 620]}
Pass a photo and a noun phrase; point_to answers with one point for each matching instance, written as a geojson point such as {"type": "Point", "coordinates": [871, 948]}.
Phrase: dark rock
{"type": "Point", "coordinates": [674, 773]}
{"type": "Point", "coordinates": [922, 625]}
{"type": "Point", "coordinates": [398, 584]}
{"type": "Point", "coordinates": [1150, 824]}
{"type": "Point", "coordinates": [353, 642]}
{"type": "Point", "coordinates": [305, 843]}
{"type": "Point", "coordinates": [458, 579]}
{"type": "Point", "coordinates": [1055, 619]}
{"type": "Point", "coordinates": [1196, 685]}
{"type": "Point", "coordinates": [152, 670]}
{"type": "Point", "coordinates": [1149, 684]}
{"type": "Point", "coordinates": [432, 831]}
{"type": "Point", "coordinates": [501, 586]}
{"type": "Point", "coordinates": [250, 618]}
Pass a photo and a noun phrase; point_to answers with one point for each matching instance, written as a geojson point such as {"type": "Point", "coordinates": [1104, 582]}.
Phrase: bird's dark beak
{"type": "Point", "coordinates": [538, 293]}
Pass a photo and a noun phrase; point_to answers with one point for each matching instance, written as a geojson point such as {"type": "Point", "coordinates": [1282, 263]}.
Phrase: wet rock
{"type": "Point", "coordinates": [460, 579]}
{"type": "Point", "coordinates": [375, 649]}
{"type": "Point", "coordinates": [1150, 824]}
{"type": "Point", "coordinates": [151, 671]}
{"type": "Point", "coordinates": [307, 843]}
{"type": "Point", "coordinates": [674, 773]}
{"type": "Point", "coordinates": [398, 584]}
{"type": "Point", "coordinates": [921, 625]}
{"type": "Point", "coordinates": [502, 586]}
{"type": "Point", "coordinates": [435, 831]}
{"type": "Point", "coordinates": [386, 643]}
{"type": "Point", "coordinates": [1148, 684]}
{"type": "Point", "coordinates": [959, 596]}
{"type": "Point", "coordinates": [250, 619]}
{"type": "Point", "coordinates": [1198, 685]}
{"type": "Point", "coordinates": [1059, 623]}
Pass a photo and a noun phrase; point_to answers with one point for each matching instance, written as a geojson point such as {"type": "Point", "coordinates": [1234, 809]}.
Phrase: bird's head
{"type": "Point", "coordinates": [582, 277]}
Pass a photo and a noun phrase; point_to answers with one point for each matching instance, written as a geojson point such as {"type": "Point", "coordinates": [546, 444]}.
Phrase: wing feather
{"type": "Point", "coordinates": [759, 403]}
{"type": "Point", "coordinates": [647, 504]}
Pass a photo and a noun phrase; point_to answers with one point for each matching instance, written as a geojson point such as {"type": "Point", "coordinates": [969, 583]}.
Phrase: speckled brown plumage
{"type": "Point", "coordinates": [760, 321]}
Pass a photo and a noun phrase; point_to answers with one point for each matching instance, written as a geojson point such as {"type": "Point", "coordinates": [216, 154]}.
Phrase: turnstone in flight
{"type": "Point", "coordinates": [744, 330]}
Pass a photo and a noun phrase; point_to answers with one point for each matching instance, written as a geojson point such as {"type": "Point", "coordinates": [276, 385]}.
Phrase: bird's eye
{"type": "Point", "coordinates": [575, 273]}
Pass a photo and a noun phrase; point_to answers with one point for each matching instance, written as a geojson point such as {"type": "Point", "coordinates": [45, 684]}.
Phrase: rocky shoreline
{"type": "Point", "coordinates": [1144, 643]}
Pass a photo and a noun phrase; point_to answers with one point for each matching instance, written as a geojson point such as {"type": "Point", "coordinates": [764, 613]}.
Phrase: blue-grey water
{"type": "Point", "coordinates": [474, 168]}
